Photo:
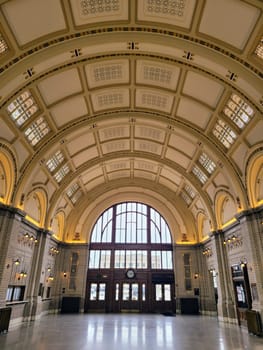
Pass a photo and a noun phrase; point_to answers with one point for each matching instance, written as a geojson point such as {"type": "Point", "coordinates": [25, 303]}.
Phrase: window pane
{"type": "Point", "coordinates": [125, 291]}
{"type": "Point", "coordinates": [130, 259]}
{"type": "Point", "coordinates": [117, 291]}
{"type": "Point", "coordinates": [105, 259]}
{"type": "Point", "coordinates": [17, 293]}
{"type": "Point", "coordinates": [129, 233]}
{"type": "Point", "coordinates": [169, 260]}
{"type": "Point", "coordinates": [143, 292]}
{"type": "Point", "coordinates": [156, 259]}
{"type": "Point", "coordinates": [94, 259]}
{"type": "Point", "coordinates": [167, 292]}
{"type": "Point", "coordinates": [9, 293]}
{"type": "Point", "coordinates": [142, 259]}
{"type": "Point", "coordinates": [102, 291]}
{"type": "Point", "coordinates": [134, 291]}
{"type": "Point", "coordinates": [158, 292]}
{"type": "Point", "coordinates": [93, 291]}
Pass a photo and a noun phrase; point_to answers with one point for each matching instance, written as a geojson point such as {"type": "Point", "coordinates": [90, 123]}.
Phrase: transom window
{"type": "Point", "coordinates": [131, 235]}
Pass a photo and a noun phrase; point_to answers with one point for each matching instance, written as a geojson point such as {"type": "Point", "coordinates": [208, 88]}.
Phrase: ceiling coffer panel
{"type": "Point", "coordinates": [108, 72]}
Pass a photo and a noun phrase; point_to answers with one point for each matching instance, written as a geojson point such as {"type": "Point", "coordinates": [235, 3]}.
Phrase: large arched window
{"type": "Point", "coordinates": [131, 235]}
{"type": "Point", "coordinates": [130, 261]}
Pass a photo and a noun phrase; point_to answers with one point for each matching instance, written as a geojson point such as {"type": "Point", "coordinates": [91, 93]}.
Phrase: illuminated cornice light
{"type": "Point", "coordinates": [33, 221]}
{"type": "Point", "coordinates": [229, 222]}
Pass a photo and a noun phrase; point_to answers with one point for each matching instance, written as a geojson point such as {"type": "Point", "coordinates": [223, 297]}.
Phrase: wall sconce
{"type": "Point", "coordinates": [53, 251]}
{"type": "Point", "coordinates": [50, 277]}
{"type": "Point", "coordinates": [207, 252]}
{"type": "Point", "coordinates": [23, 274]}
{"type": "Point", "coordinates": [16, 262]}
{"type": "Point", "coordinates": [65, 274]}
{"type": "Point", "coordinates": [243, 263]}
{"type": "Point", "coordinates": [233, 241]}
{"type": "Point", "coordinates": [196, 275]}
{"type": "Point", "coordinates": [28, 239]}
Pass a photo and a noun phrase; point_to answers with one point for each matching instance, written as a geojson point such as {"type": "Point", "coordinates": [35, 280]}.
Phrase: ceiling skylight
{"type": "Point", "coordinates": [73, 189]}
{"type": "Point", "coordinates": [36, 131]}
{"type": "Point", "coordinates": [199, 174]}
{"type": "Point", "coordinates": [3, 45]}
{"type": "Point", "coordinates": [53, 162]}
{"type": "Point", "coordinates": [61, 173]}
{"type": "Point", "coordinates": [238, 111]}
{"type": "Point", "coordinates": [259, 49]}
{"type": "Point", "coordinates": [186, 198]}
{"type": "Point", "coordinates": [224, 133]}
{"type": "Point", "coordinates": [189, 191]}
{"type": "Point", "coordinates": [76, 196]}
{"type": "Point", "coordinates": [207, 163]}
{"type": "Point", "coordinates": [22, 108]}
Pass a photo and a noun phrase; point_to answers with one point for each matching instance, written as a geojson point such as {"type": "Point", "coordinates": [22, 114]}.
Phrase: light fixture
{"type": "Point", "coordinates": [65, 274]}
{"type": "Point", "coordinates": [196, 275]}
{"type": "Point", "coordinates": [207, 252]}
{"type": "Point", "coordinates": [53, 251]}
{"type": "Point", "coordinates": [51, 277]}
{"type": "Point", "coordinates": [243, 263]}
{"type": "Point", "coordinates": [23, 274]}
{"type": "Point", "coordinates": [17, 262]}
{"type": "Point", "coordinates": [233, 241]}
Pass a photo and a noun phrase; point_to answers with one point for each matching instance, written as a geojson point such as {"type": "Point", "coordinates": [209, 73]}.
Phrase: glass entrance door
{"type": "Point", "coordinates": [97, 296]}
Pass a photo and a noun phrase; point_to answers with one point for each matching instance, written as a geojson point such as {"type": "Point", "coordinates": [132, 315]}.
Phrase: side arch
{"type": "Point", "coordinates": [225, 209]}
{"type": "Point", "coordinates": [8, 174]}
{"type": "Point", "coordinates": [254, 180]}
{"type": "Point", "coordinates": [58, 225]}
{"type": "Point", "coordinates": [35, 206]}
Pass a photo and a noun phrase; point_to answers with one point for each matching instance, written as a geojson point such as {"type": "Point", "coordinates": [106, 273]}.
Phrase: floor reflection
{"type": "Point", "coordinates": [129, 332]}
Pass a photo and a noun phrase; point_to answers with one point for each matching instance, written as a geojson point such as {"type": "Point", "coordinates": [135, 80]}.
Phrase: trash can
{"type": "Point", "coordinates": [5, 314]}
{"type": "Point", "coordinates": [254, 324]}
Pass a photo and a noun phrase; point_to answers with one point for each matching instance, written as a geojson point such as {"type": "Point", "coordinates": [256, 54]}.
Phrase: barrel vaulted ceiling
{"type": "Point", "coordinates": [153, 99]}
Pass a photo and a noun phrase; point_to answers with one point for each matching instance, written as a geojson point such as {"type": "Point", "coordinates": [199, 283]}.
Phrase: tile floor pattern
{"type": "Point", "coordinates": [128, 332]}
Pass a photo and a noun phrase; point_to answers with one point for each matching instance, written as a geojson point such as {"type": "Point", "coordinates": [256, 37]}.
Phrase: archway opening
{"type": "Point", "coordinates": [130, 265]}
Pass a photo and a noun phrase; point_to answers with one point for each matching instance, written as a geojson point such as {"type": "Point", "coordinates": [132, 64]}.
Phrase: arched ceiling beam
{"type": "Point", "coordinates": [230, 167]}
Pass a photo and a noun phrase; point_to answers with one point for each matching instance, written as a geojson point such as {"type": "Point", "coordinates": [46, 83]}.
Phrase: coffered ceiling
{"type": "Point", "coordinates": [153, 96]}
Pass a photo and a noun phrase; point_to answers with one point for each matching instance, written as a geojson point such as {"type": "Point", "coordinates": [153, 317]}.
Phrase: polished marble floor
{"type": "Point", "coordinates": [128, 332]}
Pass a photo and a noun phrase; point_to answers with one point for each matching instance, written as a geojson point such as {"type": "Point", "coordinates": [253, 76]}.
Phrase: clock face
{"type": "Point", "coordinates": [130, 274]}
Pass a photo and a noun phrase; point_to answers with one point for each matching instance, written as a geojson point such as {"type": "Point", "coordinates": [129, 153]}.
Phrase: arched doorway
{"type": "Point", "coordinates": [130, 262]}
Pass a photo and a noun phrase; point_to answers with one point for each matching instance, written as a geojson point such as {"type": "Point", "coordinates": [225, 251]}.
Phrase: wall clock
{"type": "Point", "coordinates": [130, 273]}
